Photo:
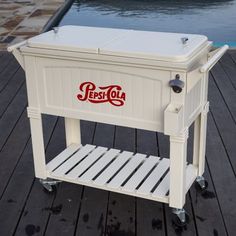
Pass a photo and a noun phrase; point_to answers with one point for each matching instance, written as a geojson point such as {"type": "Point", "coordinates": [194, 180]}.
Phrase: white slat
{"type": "Point", "coordinates": [154, 177]}
{"type": "Point", "coordinates": [72, 161]}
{"type": "Point", "coordinates": [88, 161]}
{"type": "Point", "coordinates": [126, 171]}
{"type": "Point", "coordinates": [163, 187]}
{"type": "Point", "coordinates": [99, 165]}
{"type": "Point", "coordinates": [62, 157]}
{"type": "Point", "coordinates": [113, 168]}
{"type": "Point", "coordinates": [136, 179]}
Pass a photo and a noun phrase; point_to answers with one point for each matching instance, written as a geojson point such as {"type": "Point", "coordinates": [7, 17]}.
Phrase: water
{"type": "Point", "coordinates": [213, 18]}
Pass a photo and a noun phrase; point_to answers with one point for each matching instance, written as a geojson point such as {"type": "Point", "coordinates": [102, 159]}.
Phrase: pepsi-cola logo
{"type": "Point", "coordinates": [112, 94]}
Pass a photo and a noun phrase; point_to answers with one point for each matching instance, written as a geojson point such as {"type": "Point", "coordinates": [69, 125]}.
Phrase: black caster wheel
{"type": "Point", "coordinates": [201, 186]}
{"type": "Point", "coordinates": [178, 224]}
{"type": "Point", "coordinates": [49, 189]}
{"type": "Point", "coordinates": [49, 186]}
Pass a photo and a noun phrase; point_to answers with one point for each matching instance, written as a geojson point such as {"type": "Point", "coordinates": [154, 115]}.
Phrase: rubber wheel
{"type": "Point", "coordinates": [178, 224]}
{"type": "Point", "coordinates": [52, 191]}
{"type": "Point", "coordinates": [199, 188]}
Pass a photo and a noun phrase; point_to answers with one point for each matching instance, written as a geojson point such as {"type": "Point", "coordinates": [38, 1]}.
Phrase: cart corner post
{"type": "Point", "coordinates": [178, 158]}
{"type": "Point", "coordinates": [37, 142]}
{"type": "Point", "coordinates": [15, 50]}
{"type": "Point", "coordinates": [200, 127]}
{"type": "Point", "coordinates": [35, 116]}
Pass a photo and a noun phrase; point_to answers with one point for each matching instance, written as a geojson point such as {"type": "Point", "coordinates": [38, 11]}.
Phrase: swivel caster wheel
{"type": "Point", "coordinates": [201, 184]}
{"type": "Point", "coordinates": [49, 185]}
{"type": "Point", "coordinates": [180, 218]}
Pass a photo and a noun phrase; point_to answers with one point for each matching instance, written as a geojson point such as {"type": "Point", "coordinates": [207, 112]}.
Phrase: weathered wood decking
{"type": "Point", "coordinates": [25, 209]}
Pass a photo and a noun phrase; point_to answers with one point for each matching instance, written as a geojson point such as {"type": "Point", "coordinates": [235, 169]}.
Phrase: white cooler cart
{"type": "Point", "coordinates": [147, 80]}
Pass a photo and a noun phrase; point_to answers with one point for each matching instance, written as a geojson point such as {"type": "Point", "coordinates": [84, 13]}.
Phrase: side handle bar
{"type": "Point", "coordinates": [214, 58]}
{"type": "Point", "coordinates": [16, 46]}
{"type": "Point", "coordinates": [15, 50]}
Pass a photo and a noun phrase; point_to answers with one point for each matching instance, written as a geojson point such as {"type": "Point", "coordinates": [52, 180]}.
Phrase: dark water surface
{"type": "Point", "coordinates": [213, 18]}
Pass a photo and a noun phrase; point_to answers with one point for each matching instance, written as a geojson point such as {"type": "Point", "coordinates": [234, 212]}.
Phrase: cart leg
{"type": "Point", "coordinates": [178, 150]}
{"type": "Point", "coordinates": [37, 142]}
{"type": "Point", "coordinates": [200, 126]}
{"type": "Point", "coordinates": [196, 141]}
{"type": "Point", "coordinates": [202, 140]}
{"type": "Point", "coordinates": [72, 127]}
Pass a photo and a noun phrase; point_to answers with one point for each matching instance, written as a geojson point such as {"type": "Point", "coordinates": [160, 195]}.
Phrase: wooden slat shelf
{"type": "Point", "coordinates": [115, 170]}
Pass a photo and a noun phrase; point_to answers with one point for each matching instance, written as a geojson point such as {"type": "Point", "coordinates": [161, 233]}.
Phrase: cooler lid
{"type": "Point", "coordinates": [175, 47]}
{"type": "Point", "coordinates": [75, 38]}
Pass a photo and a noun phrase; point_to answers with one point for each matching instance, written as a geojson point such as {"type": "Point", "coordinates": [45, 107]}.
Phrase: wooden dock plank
{"type": "Point", "coordinates": [121, 208]}
{"type": "Point", "coordinates": [12, 115]}
{"type": "Point", "coordinates": [4, 61]}
{"type": "Point", "coordinates": [104, 135]}
{"type": "Point", "coordinates": [226, 88]}
{"type": "Point", "coordinates": [17, 137]}
{"type": "Point", "coordinates": [232, 54]}
{"type": "Point", "coordinates": [38, 205]}
{"type": "Point", "coordinates": [12, 150]}
{"type": "Point", "coordinates": [207, 212]}
{"type": "Point", "coordinates": [121, 215]}
{"type": "Point", "coordinates": [10, 91]}
{"type": "Point", "coordinates": [224, 121]}
{"type": "Point", "coordinates": [17, 192]}
{"type": "Point", "coordinates": [64, 211]}
{"type": "Point", "coordinates": [229, 67]}
{"type": "Point", "coordinates": [36, 211]}
{"type": "Point", "coordinates": [200, 201]}
{"type": "Point", "coordinates": [68, 196]}
{"type": "Point", "coordinates": [93, 214]}
{"type": "Point", "coordinates": [149, 214]}
{"type": "Point", "coordinates": [222, 176]}
{"type": "Point", "coordinates": [147, 142]}
{"type": "Point", "coordinates": [8, 72]}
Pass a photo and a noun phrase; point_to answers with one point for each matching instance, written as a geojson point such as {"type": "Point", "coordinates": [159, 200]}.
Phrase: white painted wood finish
{"type": "Point", "coordinates": [147, 93]}
{"type": "Point", "coordinates": [202, 139]}
{"type": "Point", "coordinates": [178, 159]}
{"type": "Point", "coordinates": [156, 174]}
{"type": "Point", "coordinates": [163, 187]}
{"type": "Point", "coordinates": [191, 172]}
{"type": "Point", "coordinates": [72, 129]}
{"type": "Point", "coordinates": [99, 165]}
{"type": "Point", "coordinates": [56, 161]}
{"type": "Point", "coordinates": [122, 175]}
{"type": "Point", "coordinates": [38, 143]}
{"type": "Point", "coordinates": [78, 156]}
{"type": "Point", "coordinates": [81, 167]}
{"type": "Point", "coordinates": [106, 175]}
{"type": "Point", "coordinates": [76, 38]}
{"type": "Point", "coordinates": [155, 45]}
{"type": "Point", "coordinates": [139, 175]}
